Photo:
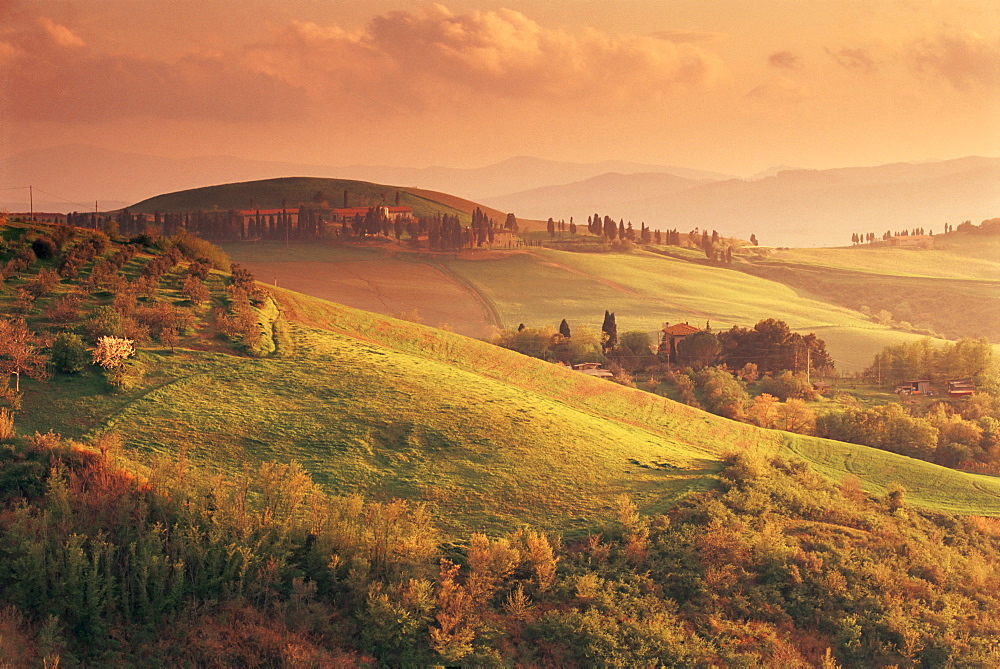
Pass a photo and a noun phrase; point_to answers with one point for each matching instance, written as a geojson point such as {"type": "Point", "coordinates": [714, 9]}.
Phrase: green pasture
{"type": "Point", "coordinates": [488, 438]}
{"type": "Point", "coordinates": [955, 256]}
{"type": "Point", "coordinates": [645, 290]}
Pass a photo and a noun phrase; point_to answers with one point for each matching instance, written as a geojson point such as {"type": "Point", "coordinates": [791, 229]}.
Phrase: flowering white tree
{"type": "Point", "coordinates": [112, 352]}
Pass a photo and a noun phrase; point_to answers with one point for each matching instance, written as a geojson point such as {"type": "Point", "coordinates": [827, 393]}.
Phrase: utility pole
{"type": "Point", "coordinates": [31, 202]}
{"type": "Point", "coordinates": [808, 362]}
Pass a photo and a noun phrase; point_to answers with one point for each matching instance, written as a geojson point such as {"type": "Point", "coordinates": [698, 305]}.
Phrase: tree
{"type": "Point", "coordinates": [112, 352]}
{"type": "Point", "coordinates": [753, 239]}
{"type": "Point", "coordinates": [68, 354]}
{"type": "Point", "coordinates": [699, 349]}
{"type": "Point", "coordinates": [564, 328]}
{"type": "Point", "coordinates": [19, 351]}
{"type": "Point", "coordinates": [610, 330]}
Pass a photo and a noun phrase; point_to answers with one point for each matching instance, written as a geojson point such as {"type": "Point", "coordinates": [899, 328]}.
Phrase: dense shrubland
{"type": "Point", "coordinates": [778, 566]}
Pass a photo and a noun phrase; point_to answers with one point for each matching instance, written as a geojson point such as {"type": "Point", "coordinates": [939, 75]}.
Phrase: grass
{"type": "Point", "coordinates": [271, 251]}
{"type": "Point", "coordinates": [955, 256]}
{"type": "Point", "coordinates": [488, 438]}
{"type": "Point", "coordinates": [646, 289]}
{"type": "Point", "coordinates": [290, 192]}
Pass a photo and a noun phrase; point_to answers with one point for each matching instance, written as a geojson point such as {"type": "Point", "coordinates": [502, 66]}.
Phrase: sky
{"type": "Point", "coordinates": [734, 86]}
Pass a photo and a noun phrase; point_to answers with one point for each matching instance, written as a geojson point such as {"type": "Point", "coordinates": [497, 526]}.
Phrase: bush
{"type": "Point", "coordinates": [194, 248]}
{"type": "Point", "coordinates": [786, 386]}
{"type": "Point", "coordinates": [44, 248]}
{"type": "Point", "coordinates": [6, 424]}
{"type": "Point", "coordinates": [68, 354]}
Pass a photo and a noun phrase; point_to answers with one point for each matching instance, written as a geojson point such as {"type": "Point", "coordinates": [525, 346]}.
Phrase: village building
{"type": "Point", "coordinates": [917, 241]}
{"type": "Point", "coordinates": [673, 335]}
{"type": "Point", "coordinates": [390, 213]}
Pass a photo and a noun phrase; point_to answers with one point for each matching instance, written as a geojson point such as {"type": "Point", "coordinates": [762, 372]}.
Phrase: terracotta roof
{"type": "Point", "coordinates": [350, 211]}
{"type": "Point", "coordinates": [680, 329]}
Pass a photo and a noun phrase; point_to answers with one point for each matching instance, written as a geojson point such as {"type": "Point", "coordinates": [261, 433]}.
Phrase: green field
{"type": "Point", "coordinates": [645, 290]}
{"type": "Point", "coordinates": [486, 436]}
{"type": "Point", "coordinates": [543, 286]}
{"type": "Point", "coordinates": [955, 256]}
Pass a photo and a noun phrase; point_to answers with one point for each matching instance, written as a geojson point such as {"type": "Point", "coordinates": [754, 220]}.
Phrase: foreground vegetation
{"type": "Point", "coordinates": [776, 567]}
{"type": "Point", "coordinates": [274, 479]}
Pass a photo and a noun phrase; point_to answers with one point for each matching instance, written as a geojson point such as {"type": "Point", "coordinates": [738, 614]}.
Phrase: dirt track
{"type": "Point", "coordinates": [385, 286]}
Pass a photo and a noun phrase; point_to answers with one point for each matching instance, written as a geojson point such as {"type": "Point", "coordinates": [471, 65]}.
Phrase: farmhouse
{"type": "Point", "coordinates": [390, 213]}
{"type": "Point", "coordinates": [673, 334]}
{"type": "Point", "coordinates": [918, 241]}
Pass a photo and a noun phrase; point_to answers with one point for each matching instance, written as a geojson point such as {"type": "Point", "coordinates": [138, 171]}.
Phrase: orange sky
{"type": "Point", "coordinates": [733, 86]}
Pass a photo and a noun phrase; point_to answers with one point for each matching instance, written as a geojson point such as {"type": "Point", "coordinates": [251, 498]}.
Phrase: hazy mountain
{"type": "Point", "coordinates": [77, 175]}
{"type": "Point", "coordinates": [791, 208]}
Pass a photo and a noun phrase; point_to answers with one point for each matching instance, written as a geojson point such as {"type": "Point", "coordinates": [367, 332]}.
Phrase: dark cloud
{"type": "Point", "coordinates": [963, 59]}
{"type": "Point", "coordinates": [785, 60]}
{"type": "Point", "coordinates": [686, 36]}
{"type": "Point", "coordinates": [857, 60]}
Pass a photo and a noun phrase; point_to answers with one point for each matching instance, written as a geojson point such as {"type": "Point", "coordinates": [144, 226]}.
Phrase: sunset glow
{"type": "Point", "coordinates": [722, 85]}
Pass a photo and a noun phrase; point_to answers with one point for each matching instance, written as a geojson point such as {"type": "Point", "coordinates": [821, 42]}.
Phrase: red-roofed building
{"type": "Point", "coordinates": [672, 335]}
{"type": "Point", "coordinates": [391, 213]}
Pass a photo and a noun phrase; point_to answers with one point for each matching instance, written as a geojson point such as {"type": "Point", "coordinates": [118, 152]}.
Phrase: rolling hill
{"type": "Point", "coordinates": [818, 291]}
{"type": "Point", "coordinates": [388, 408]}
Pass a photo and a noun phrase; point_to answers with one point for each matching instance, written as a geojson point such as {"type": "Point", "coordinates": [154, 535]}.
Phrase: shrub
{"type": "Point", "coordinates": [194, 248]}
{"type": "Point", "coordinates": [786, 386]}
{"type": "Point", "coordinates": [68, 354]}
{"type": "Point", "coordinates": [44, 248]}
{"type": "Point", "coordinates": [65, 310]}
{"type": "Point", "coordinates": [6, 424]}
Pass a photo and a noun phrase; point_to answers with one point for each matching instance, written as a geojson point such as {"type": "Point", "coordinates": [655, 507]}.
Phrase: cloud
{"type": "Point", "coordinates": [400, 61]}
{"type": "Point", "coordinates": [785, 60]}
{"type": "Point", "coordinates": [682, 36]}
{"type": "Point", "coordinates": [496, 54]}
{"type": "Point", "coordinates": [857, 60]}
{"type": "Point", "coordinates": [963, 59]}
{"type": "Point", "coordinates": [58, 77]}
{"type": "Point", "coordinates": [780, 89]}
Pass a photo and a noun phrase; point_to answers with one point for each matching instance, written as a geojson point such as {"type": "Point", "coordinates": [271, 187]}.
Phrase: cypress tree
{"type": "Point", "coordinates": [564, 328]}
{"type": "Point", "coordinates": [610, 330]}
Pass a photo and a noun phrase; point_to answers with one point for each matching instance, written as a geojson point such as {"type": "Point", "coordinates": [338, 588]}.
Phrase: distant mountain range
{"type": "Point", "coordinates": [783, 207]}
{"type": "Point", "coordinates": [791, 208]}
{"type": "Point", "coordinates": [77, 175]}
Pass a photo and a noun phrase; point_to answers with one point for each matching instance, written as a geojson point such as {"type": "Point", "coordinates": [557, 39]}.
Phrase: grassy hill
{"type": "Point", "coordinates": [390, 408]}
{"type": "Point", "coordinates": [271, 193]}
{"type": "Point", "coordinates": [418, 440]}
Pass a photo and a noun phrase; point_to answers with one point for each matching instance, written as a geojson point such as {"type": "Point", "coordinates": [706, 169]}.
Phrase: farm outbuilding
{"type": "Point", "coordinates": [921, 387]}
{"type": "Point", "coordinates": [961, 387]}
